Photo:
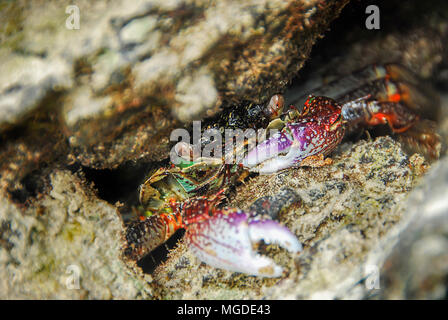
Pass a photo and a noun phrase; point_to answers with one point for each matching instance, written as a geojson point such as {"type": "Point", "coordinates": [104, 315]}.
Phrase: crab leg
{"type": "Point", "coordinates": [225, 241]}
{"type": "Point", "coordinates": [143, 236]}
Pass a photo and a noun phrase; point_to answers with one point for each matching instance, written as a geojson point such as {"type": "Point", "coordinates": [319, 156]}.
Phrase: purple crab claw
{"type": "Point", "coordinates": [279, 143]}
{"type": "Point", "coordinates": [225, 241]}
{"type": "Point", "coordinates": [280, 162]}
{"type": "Point", "coordinates": [284, 149]}
{"type": "Point", "coordinates": [317, 131]}
{"type": "Point", "coordinates": [295, 143]}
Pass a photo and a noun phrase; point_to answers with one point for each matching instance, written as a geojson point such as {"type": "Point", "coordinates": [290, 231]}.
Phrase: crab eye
{"type": "Point", "coordinates": [275, 106]}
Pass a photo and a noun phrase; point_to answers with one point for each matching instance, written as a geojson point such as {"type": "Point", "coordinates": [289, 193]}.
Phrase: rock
{"type": "Point", "coordinates": [417, 267]}
{"type": "Point", "coordinates": [275, 205]}
{"type": "Point", "coordinates": [68, 232]}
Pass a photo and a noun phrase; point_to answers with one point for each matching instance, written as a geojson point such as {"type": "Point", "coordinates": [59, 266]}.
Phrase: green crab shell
{"type": "Point", "coordinates": [180, 184]}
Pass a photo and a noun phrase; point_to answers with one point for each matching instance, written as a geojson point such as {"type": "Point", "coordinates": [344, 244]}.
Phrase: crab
{"type": "Point", "coordinates": [205, 176]}
{"type": "Point", "coordinates": [389, 94]}
{"type": "Point", "coordinates": [224, 237]}
{"type": "Point", "coordinates": [220, 237]}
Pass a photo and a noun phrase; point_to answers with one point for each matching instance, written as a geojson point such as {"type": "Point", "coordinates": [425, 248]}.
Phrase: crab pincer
{"type": "Point", "coordinates": [316, 131]}
{"type": "Point", "coordinates": [225, 240]}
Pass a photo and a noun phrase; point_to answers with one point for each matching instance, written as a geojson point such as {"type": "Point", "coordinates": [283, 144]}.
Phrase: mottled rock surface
{"type": "Point", "coordinates": [67, 246]}
{"type": "Point", "coordinates": [417, 267]}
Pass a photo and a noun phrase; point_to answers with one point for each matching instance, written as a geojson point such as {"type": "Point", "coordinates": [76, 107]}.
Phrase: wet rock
{"type": "Point", "coordinates": [417, 267]}
{"type": "Point", "coordinates": [274, 205]}
{"type": "Point", "coordinates": [67, 246]}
